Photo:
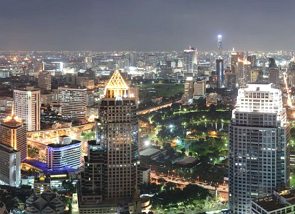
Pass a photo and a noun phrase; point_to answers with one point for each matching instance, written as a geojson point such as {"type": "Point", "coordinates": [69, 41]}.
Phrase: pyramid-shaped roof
{"type": "Point", "coordinates": [117, 82]}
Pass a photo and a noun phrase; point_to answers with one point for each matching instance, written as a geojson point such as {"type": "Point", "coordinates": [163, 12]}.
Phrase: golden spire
{"type": "Point", "coordinates": [116, 86]}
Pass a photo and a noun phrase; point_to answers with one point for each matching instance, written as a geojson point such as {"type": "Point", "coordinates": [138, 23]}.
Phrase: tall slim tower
{"type": "Point", "coordinates": [219, 64]}
{"type": "Point", "coordinates": [27, 107]}
{"type": "Point", "coordinates": [190, 60]}
{"type": "Point", "coordinates": [219, 44]}
{"type": "Point", "coordinates": [110, 181]}
{"type": "Point", "coordinates": [44, 81]}
{"type": "Point", "coordinates": [258, 154]}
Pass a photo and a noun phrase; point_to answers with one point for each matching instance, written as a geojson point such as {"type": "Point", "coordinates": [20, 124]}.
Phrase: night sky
{"type": "Point", "coordinates": [146, 25]}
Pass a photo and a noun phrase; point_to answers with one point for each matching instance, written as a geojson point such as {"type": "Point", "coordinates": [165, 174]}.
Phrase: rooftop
{"type": "Point", "coordinates": [277, 200]}
{"type": "Point", "coordinates": [12, 121]}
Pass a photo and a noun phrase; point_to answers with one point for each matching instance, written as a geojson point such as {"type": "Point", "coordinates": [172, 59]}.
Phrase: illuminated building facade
{"type": "Point", "coordinates": [199, 89]}
{"type": "Point", "coordinates": [63, 155]}
{"type": "Point", "coordinates": [13, 134]}
{"type": "Point", "coordinates": [258, 154]}
{"type": "Point", "coordinates": [190, 59]}
{"type": "Point", "coordinates": [10, 166]}
{"type": "Point", "coordinates": [27, 107]}
{"type": "Point", "coordinates": [220, 73]}
{"type": "Point", "coordinates": [109, 183]}
{"type": "Point", "coordinates": [188, 89]}
{"type": "Point", "coordinates": [73, 102]}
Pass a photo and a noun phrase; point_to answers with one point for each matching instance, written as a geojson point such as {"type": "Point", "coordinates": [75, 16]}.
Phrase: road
{"type": "Point", "coordinates": [222, 189]}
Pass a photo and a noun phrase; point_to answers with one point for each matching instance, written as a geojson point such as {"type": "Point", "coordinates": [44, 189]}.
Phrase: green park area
{"type": "Point", "coordinates": [191, 199]}
{"type": "Point", "coordinates": [194, 131]}
{"type": "Point", "coordinates": [148, 91]}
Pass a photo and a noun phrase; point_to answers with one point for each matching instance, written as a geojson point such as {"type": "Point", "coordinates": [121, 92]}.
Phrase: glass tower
{"type": "Point", "coordinates": [258, 154]}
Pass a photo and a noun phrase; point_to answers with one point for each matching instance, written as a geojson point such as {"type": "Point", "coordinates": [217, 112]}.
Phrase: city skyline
{"type": "Point", "coordinates": [145, 25]}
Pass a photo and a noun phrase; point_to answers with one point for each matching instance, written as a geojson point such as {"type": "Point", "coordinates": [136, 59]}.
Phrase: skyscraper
{"type": "Point", "coordinates": [219, 64]}
{"type": "Point", "coordinates": [13, 134]}
{"type": "Point", "coordinates": [190, 59]}
{"type": "Point", "coordinates": [27, 107]}
{"type": "Point", "coordinates": [109, 183]}
{"type": "Point", "coordinates": [220, 73]}
{"type": "Point", "coordinates": [219, 44]}
{"type": "Point", "coordinates": [44, 81]}
{"type": "Point", "coordinates": [235, 56]}
{"type": "Point", "coordinates": [10, 166]}
{"type": "Point", "coordinates": [73, 102]}
{"type": "Point", "coordinates": [258, 154]}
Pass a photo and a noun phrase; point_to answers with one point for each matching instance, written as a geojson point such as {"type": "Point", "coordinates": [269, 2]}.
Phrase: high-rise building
{"type": "Point", "coordinates": [10, 166]}
{"type": "Point", "coordinates": [235, 56]}
{"type": "Point", "coordinates": [243, 71]}
{"type": "Point", "coordinates": [13, 134]}
{"type": "Point", "coordinates": [190, 60]}
{"type": "Point", "coordinates": [273, 72]}
{"type": "Point", "coordinates": [188, 89]}
{"type": "Point", "coordinates": [109, 183]}
{"type": "Point", "coordinates": [256, 75]}
{"type": "Point", "coordinates": [219, 45]}
{"type": "Point", "coordinates": [252, 60]}
{"type": "Point", "coordinates": [274, 76]}
{"type": "Point", "coordinates": [27, 107]}
{"type": "Point", "coordinates": [258, 154]}
{"type": "Point", "coordinates": [230, 80]}
{"type": "Point", "coordinates": [44, 81]}
{"type": "Point", "coordinates": [220, 73]}
{"type": "Point", "coordinates": [199, 89]}
{"type": "Point", "coordinates": [73, 102]}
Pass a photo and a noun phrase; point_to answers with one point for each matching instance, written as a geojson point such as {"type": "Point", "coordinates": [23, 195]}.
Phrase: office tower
{"type": "Point", "coordinates": [190, 60]}
{"type": "Point", "coordinates": [109, 183]}
{"type": "Point", "coordinates": [274, 76]}
{"type": "Point", "coordinates": [132, 59]}
{"type": "Point", "coordinates": [10, 166]}
{"type": "Point", "coordinates": [256, 75]}
{"type": "Point", "coordinates": [235, 56]}
{"type": "Point", "coordinates": [44, 81]}
{"type": "Point", "coordinates": [230, 79]}
{"type": "Point", "coordinates": [188, 89]}
{"type": "Point", "coordinates": [291, 72]}
{"type": "Point", "coordinates": [243, 71]}
{"type": "Point", "coordinates": [199, 89]}
{"type": "Point", "coordinates": [276, 203]}
{"type": "Point", "coordinates": [13, 133]}
{"type": "Point", "coordinates": [252, 60]}
{"type": "Point", "coordinates": [73, 102]}
{"type": "Point", "coordinates": [27, 107]}
{"type": "Point", "coordinates": [273, 72]}
{"type": "Point", "coordinates": [220, 73]}
{"type": "Point", "coordinates": [258, 154]}
{"type": "Point", "coordinates": [88, 62]}
{"type": "Point", "coordinates": [66, 154]}
{"type": "Point", "coordinates": [272, 63]}
{"type": "Point", "coordinates": [219, 45]}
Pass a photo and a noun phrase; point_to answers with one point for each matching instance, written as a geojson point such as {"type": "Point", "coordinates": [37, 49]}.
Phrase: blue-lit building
{"type": "Point", "coordinates": [59, 156]}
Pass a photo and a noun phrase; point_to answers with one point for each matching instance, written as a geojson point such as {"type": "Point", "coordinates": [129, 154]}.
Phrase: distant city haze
{"type": "Point", "coordinates": [146, 25]}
